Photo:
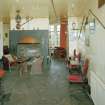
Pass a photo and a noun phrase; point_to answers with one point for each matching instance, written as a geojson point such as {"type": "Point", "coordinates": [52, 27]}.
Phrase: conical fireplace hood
{"type": "Point", "coordinates": [28, 40]}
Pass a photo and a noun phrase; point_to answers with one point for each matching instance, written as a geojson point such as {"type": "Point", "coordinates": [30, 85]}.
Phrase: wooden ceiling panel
{"type": "Point", "coordinates": [101, 3]}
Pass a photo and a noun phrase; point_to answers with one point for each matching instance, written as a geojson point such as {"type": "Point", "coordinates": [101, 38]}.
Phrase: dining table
{"type": "Point", "coordinates": [22, 64]}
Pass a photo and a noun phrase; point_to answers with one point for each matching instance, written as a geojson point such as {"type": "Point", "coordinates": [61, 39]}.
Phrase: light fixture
{"type": "Point", "coordinates": [72, 5]}
{"type": "Point", "coordinates": [17, 1]}
{"type": "Point", "coordinates": [18, 19]}
{"type": "Point", "coordinates": [73, 25]}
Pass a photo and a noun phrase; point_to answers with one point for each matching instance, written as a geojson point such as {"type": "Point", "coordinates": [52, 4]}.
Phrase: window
{"type": "Point", "coordinates": [52, 28]}
{"type": "Point", "coordinates": [54, 33]}
{"type": "Point", "coordinates": [58, 27]}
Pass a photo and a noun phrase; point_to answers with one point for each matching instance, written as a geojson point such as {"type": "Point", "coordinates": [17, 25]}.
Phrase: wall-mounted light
{"type": "Point", "coordinates": [73, 25]}
{"type": "Point", "coordinates": [18, 17]}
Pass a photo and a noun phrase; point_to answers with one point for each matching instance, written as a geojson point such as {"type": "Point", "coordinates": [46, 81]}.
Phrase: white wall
{"type": "Point", "coordinates": [96, 53]}
{"type": "Point", "coordinates": [1, 39]}
{"type": "Point", "coordinates": [97, 65]}
{"type": "Point", "coordinates": [71, 43]}
{"type": "Point", "coordinates": [98, 90]}
{"type": "Point", "coordinates": [34, 24]}
{"type": "Point", "coordinates": [97, 47]}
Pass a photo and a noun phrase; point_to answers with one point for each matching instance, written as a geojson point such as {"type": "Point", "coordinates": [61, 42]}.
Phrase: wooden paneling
{"type": "Point", "coordinates": [101, 3]}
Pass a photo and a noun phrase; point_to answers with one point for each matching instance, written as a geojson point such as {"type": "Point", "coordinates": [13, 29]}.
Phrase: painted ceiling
{"type": "Point", "coordinates": [52, 9]}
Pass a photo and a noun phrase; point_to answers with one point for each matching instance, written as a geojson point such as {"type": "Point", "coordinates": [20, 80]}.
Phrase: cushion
{"type": "Point", "coordinates": [75, 78]}
{"type": "Point", "coordinates": [2, 73]}
{"type": "Point", "coordinates": [9, 57]}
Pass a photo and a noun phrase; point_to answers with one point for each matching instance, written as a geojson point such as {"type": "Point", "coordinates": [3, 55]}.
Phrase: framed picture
{"type": "Point", "coordinates": [92, 26]}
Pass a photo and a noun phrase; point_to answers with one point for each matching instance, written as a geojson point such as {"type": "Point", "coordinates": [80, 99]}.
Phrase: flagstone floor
{"type": "Point", "coordinates": [49, 88]}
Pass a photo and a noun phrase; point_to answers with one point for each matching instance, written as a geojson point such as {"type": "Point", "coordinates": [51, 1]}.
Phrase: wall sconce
{"type": "Point", "coordinates": [73, 25]}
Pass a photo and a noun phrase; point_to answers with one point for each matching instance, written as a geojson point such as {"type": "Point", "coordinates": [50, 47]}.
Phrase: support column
{"type": "Point", "coordinates": [63, 33]}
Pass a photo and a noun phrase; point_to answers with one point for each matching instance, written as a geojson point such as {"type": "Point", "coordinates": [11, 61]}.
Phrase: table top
{"type": "Point", "coordinates": [21, 60]}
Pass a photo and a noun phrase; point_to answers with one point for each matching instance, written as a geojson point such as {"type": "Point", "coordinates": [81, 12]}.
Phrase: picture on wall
{"type": "Point", "coordinates": [92, 26]}
{"type": "Point", "coordinates": [87, 41]}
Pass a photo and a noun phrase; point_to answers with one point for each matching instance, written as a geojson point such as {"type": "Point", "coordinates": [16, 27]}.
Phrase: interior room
{"type": "Point", "coordinates": [51, 52]}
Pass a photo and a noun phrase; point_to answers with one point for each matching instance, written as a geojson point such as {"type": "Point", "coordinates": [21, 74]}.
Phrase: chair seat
{"type": "Point", "coordinates": [73, 66]}
{"type": "Point", "coordinates": [76, 78]}
{"type": "Point", "coordinates": [2, 73]}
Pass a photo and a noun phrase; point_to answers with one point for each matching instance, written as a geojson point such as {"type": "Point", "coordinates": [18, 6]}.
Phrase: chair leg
{"type": "Point", "coordinates": [10, 68]}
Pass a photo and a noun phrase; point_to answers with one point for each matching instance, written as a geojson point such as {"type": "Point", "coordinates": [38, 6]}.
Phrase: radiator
{"type": "Point", "coordinates": [97, 89]}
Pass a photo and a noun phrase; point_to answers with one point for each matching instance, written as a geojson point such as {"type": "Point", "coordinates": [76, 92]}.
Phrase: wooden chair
{"type": "Point", "coordinates": [8, 61]}
{"type": "Point", "coordinates": [80, 77]}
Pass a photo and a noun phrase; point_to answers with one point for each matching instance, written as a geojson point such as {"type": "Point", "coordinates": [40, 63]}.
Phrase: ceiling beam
{"type": "Point", "coordinates": [52, 3]}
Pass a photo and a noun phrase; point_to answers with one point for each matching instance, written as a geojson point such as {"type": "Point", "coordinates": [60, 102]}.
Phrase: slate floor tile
{"type": "Point", "coordinates": [49, 88]}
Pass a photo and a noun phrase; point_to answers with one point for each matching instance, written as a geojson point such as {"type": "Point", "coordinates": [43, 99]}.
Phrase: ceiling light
{"type": "Point", "coordinates": [17, 0]}
{"type": "Point", "coordinates": [22, 8]}
{"type": "Point", "coordinates": [72, 5]}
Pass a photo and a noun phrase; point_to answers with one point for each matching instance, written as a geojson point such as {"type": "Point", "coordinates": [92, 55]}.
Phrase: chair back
{"type": "Point", "coordinates": [5, 50]}
{"type": "Point", "coordinates": [85, 66]}
{"type": "Point", "coordinates": [79, 56]}
{"type": "Point", "coordinates": [74, 52]}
